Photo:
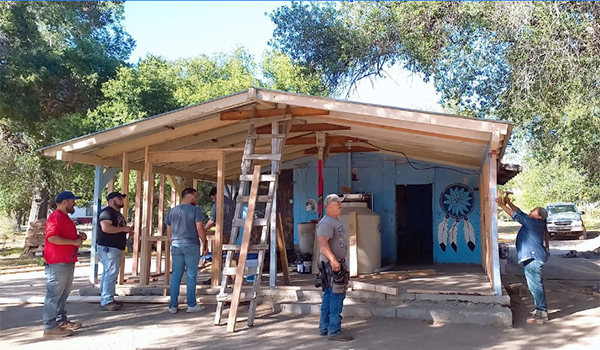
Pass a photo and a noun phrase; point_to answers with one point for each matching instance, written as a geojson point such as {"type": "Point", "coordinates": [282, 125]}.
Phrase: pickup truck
{"type": "Point", "coordinates": [565, 220]}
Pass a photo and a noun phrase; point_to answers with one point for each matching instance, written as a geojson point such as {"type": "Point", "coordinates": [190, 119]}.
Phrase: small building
{"type": "Point", "coordinates": [432, 176]}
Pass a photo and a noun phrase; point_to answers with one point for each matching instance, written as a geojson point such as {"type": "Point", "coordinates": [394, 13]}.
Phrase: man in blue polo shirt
{"type": "Point", "coordinates": [532, 252]}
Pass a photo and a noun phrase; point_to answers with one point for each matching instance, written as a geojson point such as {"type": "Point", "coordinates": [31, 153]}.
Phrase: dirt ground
{"type": "Point", "coordinates": [570, 282]}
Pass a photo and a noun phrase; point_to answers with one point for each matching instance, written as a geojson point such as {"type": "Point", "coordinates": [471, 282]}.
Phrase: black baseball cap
{"type": "Point", "coordinates": [115, 194]}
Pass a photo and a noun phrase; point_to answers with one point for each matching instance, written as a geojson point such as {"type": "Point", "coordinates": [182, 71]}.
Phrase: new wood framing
{"type": "Point", "coordinates": [204, 142]}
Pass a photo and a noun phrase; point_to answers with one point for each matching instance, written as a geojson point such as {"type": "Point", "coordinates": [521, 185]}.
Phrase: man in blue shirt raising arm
{"type": "Point", "coordinates": [532, 251]}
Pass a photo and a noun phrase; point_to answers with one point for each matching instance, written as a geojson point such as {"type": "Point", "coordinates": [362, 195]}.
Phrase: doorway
{"type": "Point", "coordinates": [415, 229]}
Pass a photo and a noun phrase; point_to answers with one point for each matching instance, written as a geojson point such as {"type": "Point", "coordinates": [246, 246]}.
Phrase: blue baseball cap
{"type": "Point", "coordinates": [66, 195]}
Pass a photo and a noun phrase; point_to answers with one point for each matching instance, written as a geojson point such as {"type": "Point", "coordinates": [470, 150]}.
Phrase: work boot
{"type": "Point", "coordinates": [340, 337]}
{"type": "Point", "coordinates": [112, 306]}
{"type": "Point", "coordinates": [71, 325]}
{"type": "Point", "coordinates": [57, 332]}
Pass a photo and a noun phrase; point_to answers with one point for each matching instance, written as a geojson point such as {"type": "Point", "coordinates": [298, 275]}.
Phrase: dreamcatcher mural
{"type": "Point", "coordinates": [457, 202]}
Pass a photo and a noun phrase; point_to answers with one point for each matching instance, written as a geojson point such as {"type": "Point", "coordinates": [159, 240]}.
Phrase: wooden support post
{"type": "Point", "coordinates": [147, 221]}
{"type": "Point", "coordinates": [496, 282]}
{"type": "Point", "coordinates": [217, 252]}
{"type": "Point", "coordinates": [124, 190]}
{"type": "Point", "coordinates": [137, 224]}
{"type": "Point", "coordinates": [195, 184]}
{"type": "Point", "coordinates": [111, 186]}
{"type": "Point", "coordinates": [283, 252]}
{"type": "Point", "coordinates": [239, 277]}
{"type": "Point", "coordinates": [353, 253]}
{"type": "Point", "coordinates": [161, 207]}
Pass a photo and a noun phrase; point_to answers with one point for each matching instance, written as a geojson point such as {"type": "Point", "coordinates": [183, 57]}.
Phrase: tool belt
{"type": "Point", "coordinates": [326, 277]}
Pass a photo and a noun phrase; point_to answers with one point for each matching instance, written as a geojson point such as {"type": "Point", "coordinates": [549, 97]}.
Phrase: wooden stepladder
{"type": "Point", "coordinates": [248, 193]}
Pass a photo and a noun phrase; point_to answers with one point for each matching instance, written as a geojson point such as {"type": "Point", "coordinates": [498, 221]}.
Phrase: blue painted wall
{"type": "Point", "coordinates": [379, 174]}
{"type": "Point", "coordinates": [463, 253]}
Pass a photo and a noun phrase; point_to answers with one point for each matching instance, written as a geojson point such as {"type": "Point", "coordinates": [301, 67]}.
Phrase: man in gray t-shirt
{"type": "Point", "coordinates": [333, 229]}
{"type": "Point", "coordinates": [186, 230]}
{"type": "Point", "coordinates": [332, 241]}
{"type": "Point", "coordinates": [228, 213]}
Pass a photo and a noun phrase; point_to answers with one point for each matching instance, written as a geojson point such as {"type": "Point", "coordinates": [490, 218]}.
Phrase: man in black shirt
{"type": "Point", "coordinates": [110, 243]}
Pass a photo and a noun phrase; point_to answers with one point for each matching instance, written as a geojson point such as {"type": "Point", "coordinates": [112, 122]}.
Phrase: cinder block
{"type": "Point", "coordinates": [412, 313]}
{"type": "Point", "coordinates": [356, 311]}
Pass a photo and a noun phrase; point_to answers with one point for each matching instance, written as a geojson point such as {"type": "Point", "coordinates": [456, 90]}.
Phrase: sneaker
{"type": "Point", "coordinates": [71, 325]}
{"type": "Point", "coordinates": [322, 333]}
{"type": "Point", "coordinates": [541, 314]}
{"type": "Point", "coordinates": [340, 337]}
{"type": "Point", "coordinates": [172, 310]}
{"type": "Point", "coordinates": [57, 332]}
{"type": "Point", "coordinates": [537, 319]}
{"type": "Point", "coordinates": [196, 308]}
{"type": "Point", "coordinates": [112, 306]}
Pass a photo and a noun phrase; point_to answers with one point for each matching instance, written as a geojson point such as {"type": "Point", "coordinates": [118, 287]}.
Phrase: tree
{"type": "Point", "coordinates": [54, 58]}
{"type": "Point", "coordinates": [534, 63]}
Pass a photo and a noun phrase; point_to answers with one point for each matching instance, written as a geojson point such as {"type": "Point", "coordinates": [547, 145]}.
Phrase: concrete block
{"type": "Point", "coordinates": [412, 313]}
{"type": "Point", "coordinates": [401, 297]}
{"type": "Point", "coordinates": [363, 294]}
{"type": "Point", "coordinates": [356, 311]}
{"type": "Point", "coordinates": [298, 308]}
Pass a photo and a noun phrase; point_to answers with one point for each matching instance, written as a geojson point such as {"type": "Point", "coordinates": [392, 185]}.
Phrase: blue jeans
{"type": "Point", "coordinates": [59, 278]}
{"type": "Point", "coordinates": [533, 275]}
{"type": "Point", "coordinates": [111, 261]}
{"type": "Point", "coordinates": [188, 256]}
{"type": "Point", "coordinates": [331, 312]}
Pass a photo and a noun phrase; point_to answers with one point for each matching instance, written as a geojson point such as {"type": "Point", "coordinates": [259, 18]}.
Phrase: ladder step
{"type": "Point", "coordinates": [252, 248]}
{"type": "Point", "coordinates": [265, 177]}
{"type": "Point", "coordinates": [246, 199]}
{"type": "Point", "coordinates": [244, 296]}
{"type": "Point", "coordinates": [257, 222]}
{"type": "Point", "coordinates": [276, 157]}
{"type": "Point", "coordinates": [266, 136]}
{"type": "Point", "coordinates": [232, 271]}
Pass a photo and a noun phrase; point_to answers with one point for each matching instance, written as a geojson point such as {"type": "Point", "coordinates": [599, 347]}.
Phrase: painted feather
{"type": "Point", "coordinates": [443, 234]}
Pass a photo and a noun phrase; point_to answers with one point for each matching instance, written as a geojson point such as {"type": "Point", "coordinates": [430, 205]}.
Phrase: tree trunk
{"type": "Point", "coordinates": [39, 205]}
{"type": "Point", "coordinates": [16, 221]}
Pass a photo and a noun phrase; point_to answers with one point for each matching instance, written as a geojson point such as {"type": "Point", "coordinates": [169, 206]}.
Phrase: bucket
{"type": "Point", "coordinates": [306, 236]}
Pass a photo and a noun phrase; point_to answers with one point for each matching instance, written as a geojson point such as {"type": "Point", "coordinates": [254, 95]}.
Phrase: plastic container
{"type": "Point", "coordinates": [306, 236]}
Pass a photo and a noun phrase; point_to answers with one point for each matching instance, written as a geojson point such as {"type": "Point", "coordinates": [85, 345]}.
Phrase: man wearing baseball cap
{"type": "Point", "coordinates": [331, 237]}
{"type": "Point", "coordinates": [532, 245]}
{"type": "Point", "coordinates": [60, 254]}
{"type": "Point", "coordinates": [110, 242]}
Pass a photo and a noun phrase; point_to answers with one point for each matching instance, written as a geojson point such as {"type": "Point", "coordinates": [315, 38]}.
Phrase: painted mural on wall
{"type": "Point", "coordinates": [457, 201]}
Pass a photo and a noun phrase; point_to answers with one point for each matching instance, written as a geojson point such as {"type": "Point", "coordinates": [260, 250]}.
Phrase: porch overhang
{"type": "Point", "coordinates": [437, 138]}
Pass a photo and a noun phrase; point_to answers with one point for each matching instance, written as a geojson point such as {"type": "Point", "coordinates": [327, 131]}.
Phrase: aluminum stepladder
{"type": "Point", "coordinates": [249, 182]}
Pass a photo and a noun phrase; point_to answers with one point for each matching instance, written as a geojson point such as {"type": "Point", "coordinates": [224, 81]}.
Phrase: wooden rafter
{"type": "Point", "coordinates": [354, 149]}
{"type": "Point", "coordinates": [330, 140]}
{"type": "Point", "coordinates": [306, 127]}
{"type": "Point", "coordinates": [262, 113]}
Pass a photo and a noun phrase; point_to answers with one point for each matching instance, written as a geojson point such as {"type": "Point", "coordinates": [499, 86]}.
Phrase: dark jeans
{"type": "Point", "coordinates": [59, 278]}
{"type": "Point", "coordinates": [331, 312]}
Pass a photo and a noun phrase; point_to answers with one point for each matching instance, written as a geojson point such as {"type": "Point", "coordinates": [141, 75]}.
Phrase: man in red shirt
{"type": "Point", "coordinates": [60, 254]}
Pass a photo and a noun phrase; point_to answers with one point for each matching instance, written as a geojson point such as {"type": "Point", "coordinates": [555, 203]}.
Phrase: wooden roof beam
{"type": "Point", "coordinates": [248, 114]}
{"type": "Point", "coordinates": [353, 149]}
{"type": "Point", "coordinates": [330, 139]}
{"type": "Point", "coordinates": [306, 127]}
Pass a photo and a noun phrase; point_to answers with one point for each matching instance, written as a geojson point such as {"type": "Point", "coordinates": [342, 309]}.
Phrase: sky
{"type": "Point", "coordinates": [184, 29]}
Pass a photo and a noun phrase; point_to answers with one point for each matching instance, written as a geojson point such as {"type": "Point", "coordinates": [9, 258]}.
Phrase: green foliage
{"type": "Point", "coordinates": [281, 73]}
{"type": "Point", "coordinates": [54, 58]}
{"type": "Point", "coordinates": [543, 183]}
{"type": "Point", "coordinates": [534, 63]}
